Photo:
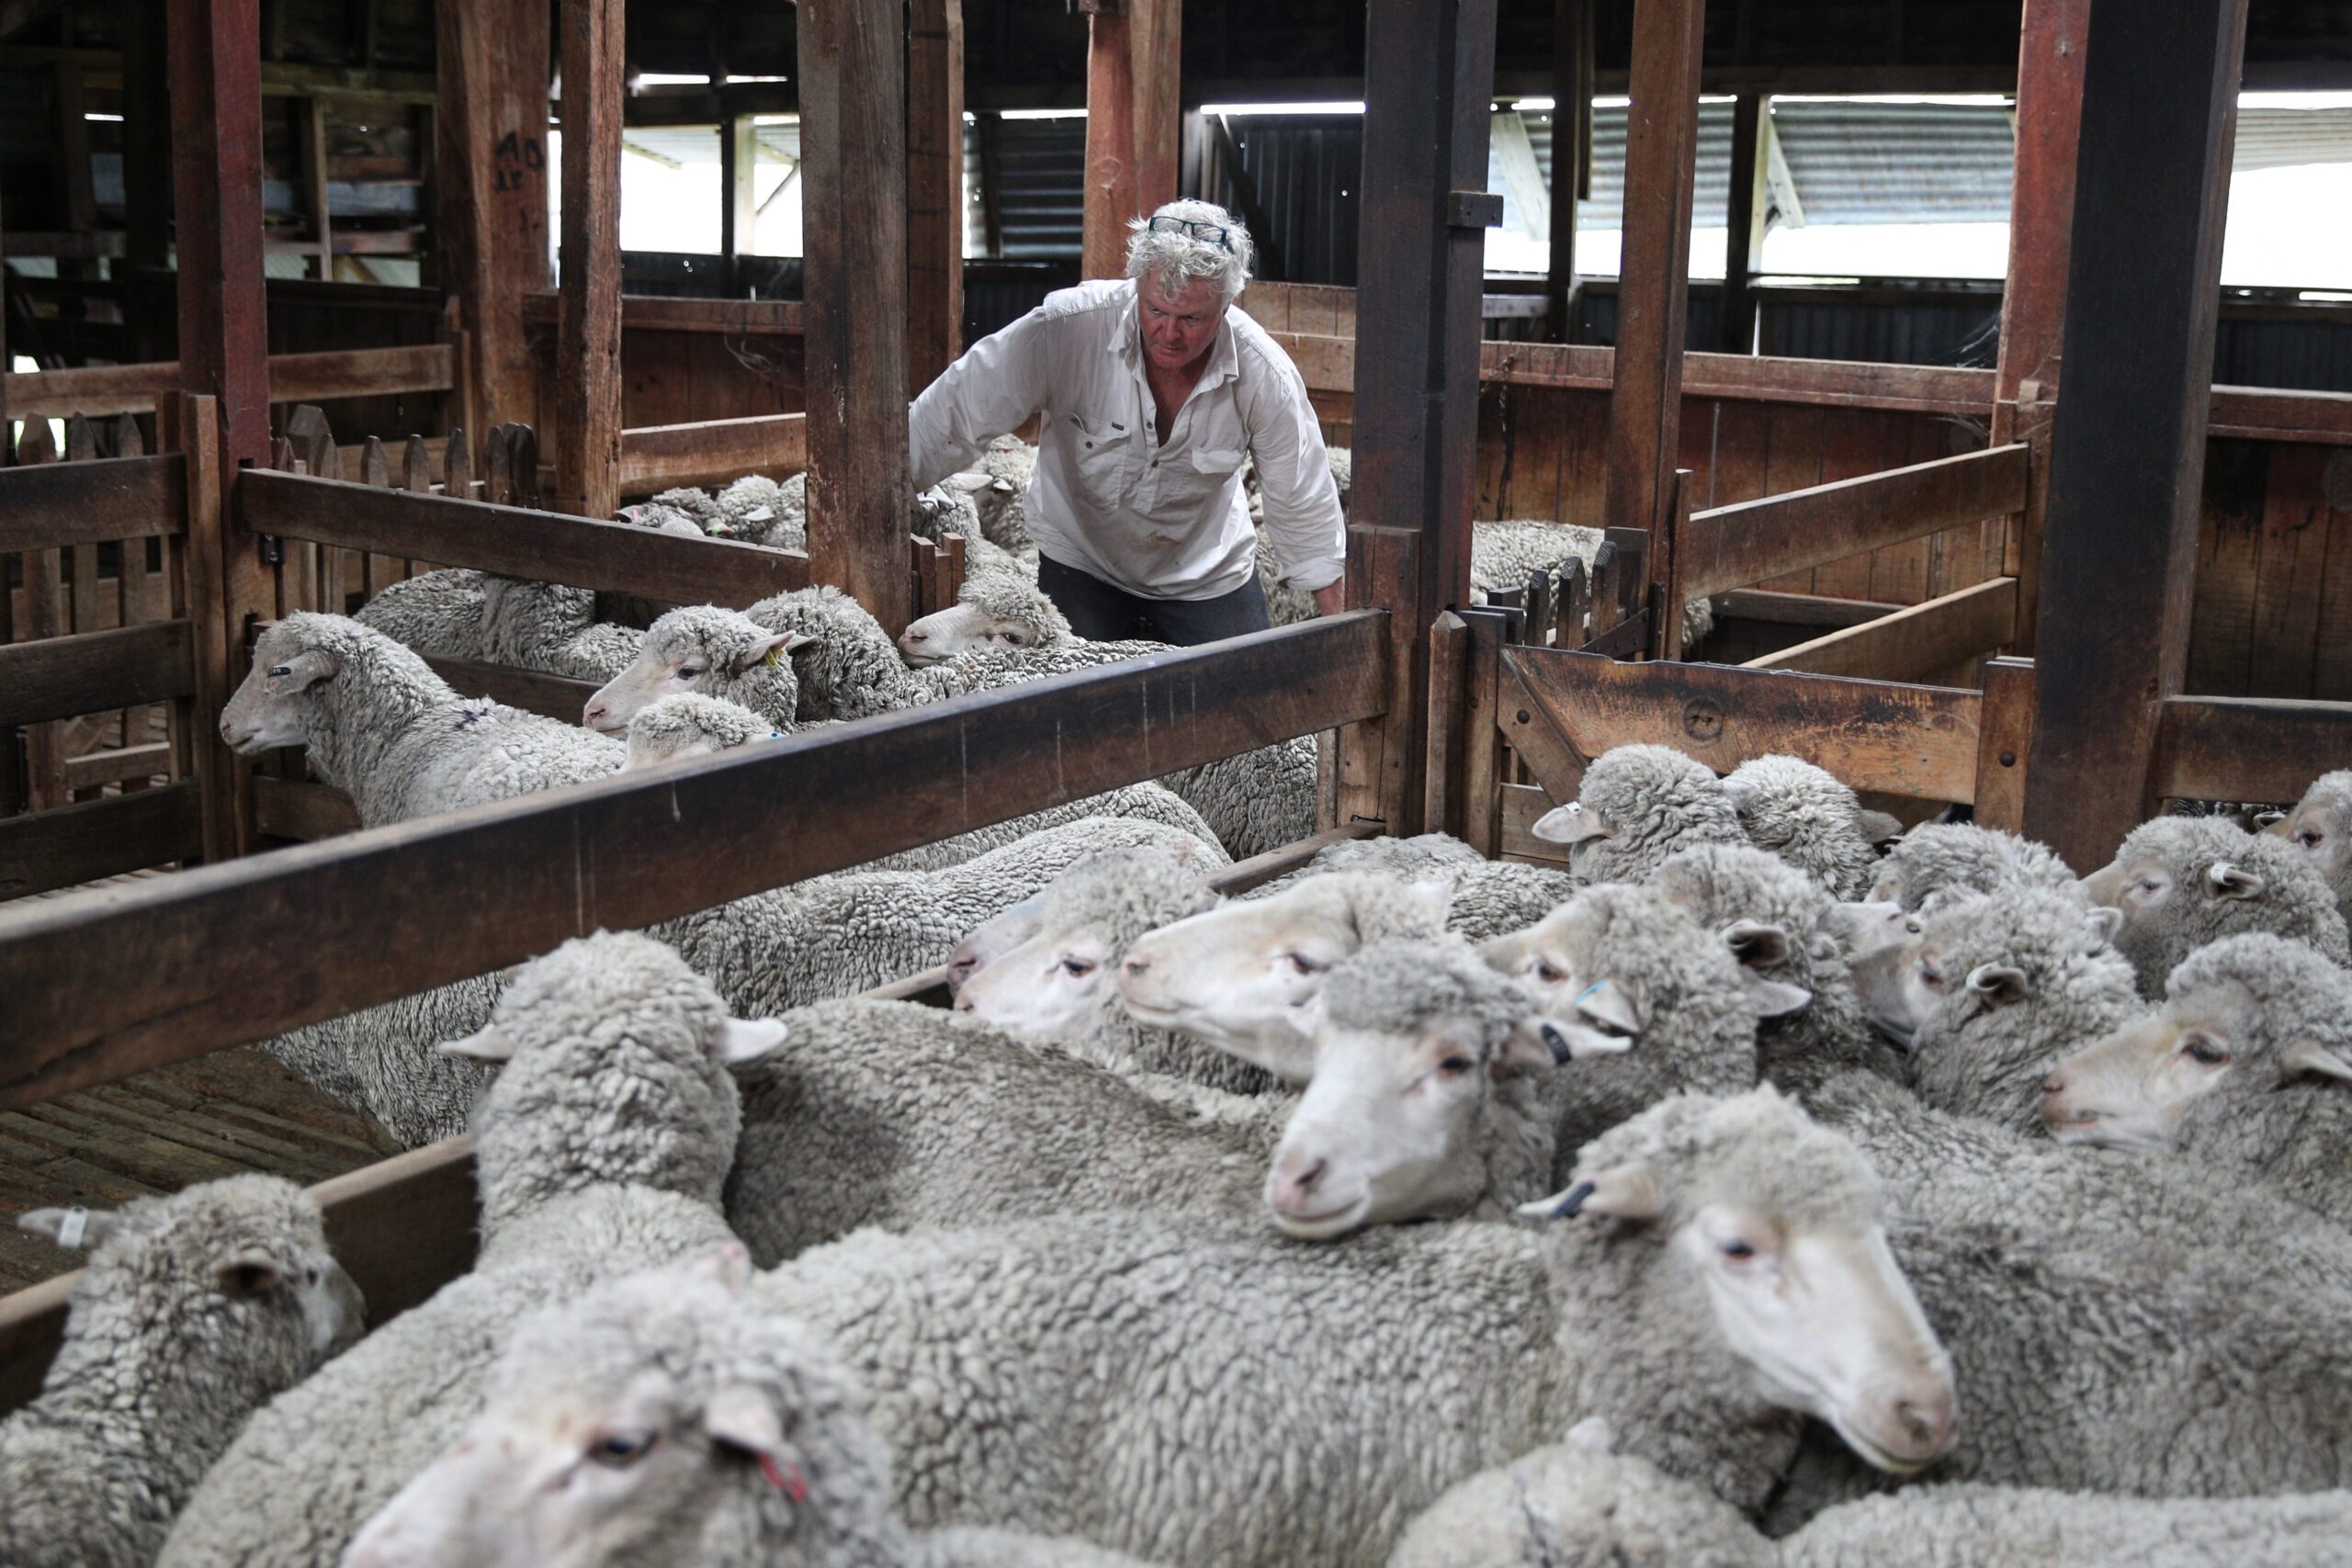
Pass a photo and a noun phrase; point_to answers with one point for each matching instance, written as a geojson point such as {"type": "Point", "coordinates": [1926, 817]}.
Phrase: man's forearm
{"type": "Point", "coordinates": [1333, 598]}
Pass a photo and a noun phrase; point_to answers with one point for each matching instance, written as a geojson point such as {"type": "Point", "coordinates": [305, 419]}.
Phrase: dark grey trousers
{"type": "Point", "coordinates": [1100, 613]}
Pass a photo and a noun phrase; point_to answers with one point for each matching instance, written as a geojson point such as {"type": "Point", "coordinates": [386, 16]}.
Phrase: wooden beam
{"type": "Point", "coordinates": [588, 335]}
{"type": "Point", "coordinates": [101, 389]}
{"type": "Point", "coordinates": [512, 879]}
{"type": "Point", "coordinates": [492, 191]}
{"type": "Point", "coordinates": [47, 506]}
{"type": "Point", "coordinates": [1734, 547]}
{"type": "Point", "coordinates": [655, 457]}
{"type": "Point", "coordinates": [935, 189]}
{"type": "Point", "coordinates": [1134, 121]}
{"type": "Point", "coordinates": [1645, 405]}
{"type": "Point", "coordinates": [658, 313]}
{"type": "Point", "coordinates": [532, 691]}
{"type": "Point", "coordinates": [1430, 72]}
{"type": "Point", "coordinates": [2248, 747]}
{"type": "Point", "coordinates": [1798, 609]}
{"type": "Point", "coordinates": [1744, 230]}
{"type": "Point", "coordinates": [63, 677]}
{"type": "Point", "coordinates": [1571, 148]}
{"type": "Point", "coordinates": [739, 147]}
{"type": "Point", "coordinates": [547, 547]}
{"type": "Point", "coordinates": [854, 163]}
{"type": "Point", "coordinates": [1913, 643]}
{"type": "Point", "coordinates": [74, 844]}
{"type": "Point", "coordinates": [1911, 740]}
{"type": "Point", "coordinates": [284, 808]}
{"type": "Point", "coordinates": [2005, 740]}
{"type": "Point", "coordinates": [2151, 184]}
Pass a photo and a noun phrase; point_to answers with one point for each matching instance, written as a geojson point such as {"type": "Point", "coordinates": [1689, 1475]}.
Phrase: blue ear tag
{"type": "Point", "coordinates": [1596, 986]}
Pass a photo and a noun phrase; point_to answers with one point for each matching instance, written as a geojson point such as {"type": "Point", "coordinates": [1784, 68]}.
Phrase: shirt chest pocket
{"type": "Point", "coordinates": [1188, 482]}
{"type": "Point", "coordinates": [1098, 456]}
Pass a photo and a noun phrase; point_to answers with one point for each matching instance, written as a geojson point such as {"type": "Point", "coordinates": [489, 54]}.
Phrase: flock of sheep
{"type": "Point", "coordinates": [1768, 1187]}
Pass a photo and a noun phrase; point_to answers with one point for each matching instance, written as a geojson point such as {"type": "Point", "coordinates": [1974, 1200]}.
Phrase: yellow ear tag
{"type": "Point", "coordinates": [775, 658]}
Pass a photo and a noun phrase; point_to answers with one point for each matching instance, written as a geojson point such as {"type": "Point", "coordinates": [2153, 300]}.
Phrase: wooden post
{"type": "Point", "coordinates": [739, 211]}
{"type": "Point", "coordinates": [1661, 161]}
{"type": "Point", "coordinates": [935, 189]}
{"type": "Point", "coordinates": [588, 316]}
{"type": "Point", "coordinates": [2152, 183]}
{"type": "Point", "coordinates": [1571, 142]}
{"type": "Point", "coordinates": [491, 168]}
{"type": "Point", "coordinates": [2033, 302]}
{"type": "Point", "coordinates": [146, 169]}
{"type": "Point", "coordinates": [1744, 236]}
{"type": "Point", "coordinates": [853, 167]}
{"type": "Point", "coordinates": [1133, 120]}
{"type": "Point", "coordinates": [1429, 69]}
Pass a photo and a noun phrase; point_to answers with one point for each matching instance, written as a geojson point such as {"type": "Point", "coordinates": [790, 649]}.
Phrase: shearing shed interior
{"type": "Point", "coordinates": [731, 834]}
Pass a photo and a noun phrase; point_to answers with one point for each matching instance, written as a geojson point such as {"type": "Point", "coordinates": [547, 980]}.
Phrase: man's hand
{"type": "Point", "coordinates": [1331, 600]}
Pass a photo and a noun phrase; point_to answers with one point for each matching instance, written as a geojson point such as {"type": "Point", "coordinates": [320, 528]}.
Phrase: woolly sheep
{"type": "Point", "coordinates": [1567, 1506]}
{"type": "Point", "coordinates": [1504, 554]}
{"type": "Point", "coordinates": [705, 653]}
{"type": "Point", "coordinates": [551, 626]}
{"type": "Point", "coordinates": [1938, 858]}
{"type": "Point", "coordinates": [1132, 1369]}
{"type": "Point", "coordinates": [1806, 816]}
{"type": "Point", "coordinates": [436, 613]}
{"type": "Point", "coordinates": [1636, 805]}
{"type": "Point", "coordinates": [381, 1061]}
{"type": "Point", "coordinates": [379, 723]}
{"type": "Point", "coordinates": [719, 1437]}
{"type": "Point", "coordinates": [1010, 464]}
{"type": "Point", "coordinates": [601, 1148]}
{"type": "Point", "coordinates": [2321, 825]}
{"type": "Point", "coordinates": [192, 1310]}
{"type": "Point", "coordinates": [691, 725]}
{"type": "Point", "coordinates": [1488, 897]}
{"type": "Point", "coordinates": [1994, 989]}
{"type": "Point", "coordinates": [2182, 882]}
{"type": "Point", "coordinates": [2242, 1068]}
{"type": "Point", "coordinates": [1233, 976]}
{"type": "Point", "coordinates": [1002, 606]}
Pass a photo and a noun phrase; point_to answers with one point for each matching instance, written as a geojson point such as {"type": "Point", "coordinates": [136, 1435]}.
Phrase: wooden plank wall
{"type": "Point", "coordinates": [2273, 610]}
{"type": "Point", "coordinates": [685, 361]}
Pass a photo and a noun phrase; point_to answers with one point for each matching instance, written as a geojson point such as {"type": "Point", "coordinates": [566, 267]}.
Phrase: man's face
{"type": "Point", "coordinates": [1177, 330]}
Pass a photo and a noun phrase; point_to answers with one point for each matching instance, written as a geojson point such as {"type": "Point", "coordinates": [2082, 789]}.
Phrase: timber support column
{"type": "Point", "coordinates": [854, 163]}
{"type": "Point", "coordinates": [588, 313]}
{"type": "Point", "coordinates": [1428, 75]}
{"type": "Point", "coordinates": [490, 140]}
{"type": "Point", "coordinates": [1645, 405]}
{"type": "Point", "coordinates": [935, 189]}
{"type": "Point", "coordinates": [1134, 149]}
{"type": "Point", "coordinates": [2159, 112]}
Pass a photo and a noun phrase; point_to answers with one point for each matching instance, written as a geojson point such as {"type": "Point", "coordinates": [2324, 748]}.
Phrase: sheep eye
{"type": "Point", "coordinates": [618, 1451]}
{"type": "Point", "coordinates": [1550, 974]}
{"type": "Point", "coordinates": [690, 671]}
{"type": "Point", "coordinates": [2203, 1050]}
{"type": "Point", "coordinates": [2307, 838]}
{"type": "Point", "coordinates": [1736, 1250]}
{"type": "Point", "coordinates": [277, 669]}
{"type": "Point", "coordinates": [311, 1275]}
{"type": "Point", "coordinates": [1305, 966]}
{"type": "Point", "coordinates": [1453, 1067]}
{"type": "Point", "coordinates": [1080, 967]}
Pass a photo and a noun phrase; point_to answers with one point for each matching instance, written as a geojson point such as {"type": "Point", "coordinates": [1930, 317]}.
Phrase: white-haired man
{"type": "Point", "coordinates": [1152, 390]}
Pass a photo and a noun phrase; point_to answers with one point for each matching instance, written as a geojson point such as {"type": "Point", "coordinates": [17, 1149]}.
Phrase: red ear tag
{"type": "Point", "coordinates": [785, 1478]}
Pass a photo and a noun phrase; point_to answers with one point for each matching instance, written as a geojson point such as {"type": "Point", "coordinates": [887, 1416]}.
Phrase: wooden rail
{"type": "Point", "coordinates": [63, 677]}
{"type": "Point", "coordinates": [2248, 747]}
{"type": "Point", "coordinates": [515, 541]}
{"type": "Point", "coordinates": [387, 912]}
{"type": "Point", "coordinates": [49, 506]}
{"type": "Point", "coordinates": [663, 313]}
{"type": "Point", "coordinates": [1913, 643]}
{"type": "Point", "coordinates": [70, 844]}
{"type": "Point", "coordinates": [1733, 547]}
{"type": "Point", "coordinates": [101, 389]}
{"type": "Point", "coordinates": [654, 457]}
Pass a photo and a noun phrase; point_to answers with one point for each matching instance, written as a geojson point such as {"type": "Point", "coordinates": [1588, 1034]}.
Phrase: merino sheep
{"type": "Point", "coordinates": [194, 1310]}
{"type": "Point", "coordinates": [1002, 606]}
{"type": "Point", "coordinates": [1504, 554]}
{"type": "Point", "coordinates": [2182, 882]}
{"type": "Point", "coordinates": [379, 723]}
{"type": "Point", "coordinates": [1567, 1506]}
{"type": "Point", "coordinates": [1938, 858]}
{"type": "Point", "coordinates": [1203, 1395]}
{"type": "Point", "coordinates": [722, 1436]}
{"type": "Point", "coordinates": [381, 1060]}
{"type": "Point", "coordinates": [2321, 825]}
{"type": "Point", "coordinates": [601, 1148]}
{"type": "Point", "coordinates": [1806, 816]}
{"type": "Point", "coordinates": [1488, 897]}
{"type": "Point", "coordinates": [1636, 805]}
{"type": "Point", "coordinates": [2244, 1069]}
{"type": "Point", "coordinates": [691, 725]}
{"type": "Point", "coordinates": [706, 653]}
{"type": "Point", "coordinates": [1010, 464]}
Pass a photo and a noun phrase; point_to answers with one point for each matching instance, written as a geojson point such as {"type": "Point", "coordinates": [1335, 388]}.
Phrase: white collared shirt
{"type": "Point", "coordinates": [1161, 522]}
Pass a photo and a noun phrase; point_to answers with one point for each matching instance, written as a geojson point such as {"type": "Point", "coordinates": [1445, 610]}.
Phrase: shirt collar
{"type": "Point", "coordinates": [1126, 341]}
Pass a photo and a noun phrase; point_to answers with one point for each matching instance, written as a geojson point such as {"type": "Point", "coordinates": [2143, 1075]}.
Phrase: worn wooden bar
{"type": "Point", "coordinates": [1737, 545]}
{"type": "Point", "coordinates": [717, 451]}
{"type": "Point", "coordinates": [490, 190]}
{"type": "Point", "coordinates": [96, 671]}
{"type": "Point", "coordinates": [662, 313]}
{"type": "Point", "coordinates": [2005, 737]}
{"type": "Point", "coordinates": [102, 390]}
{"type": "Point", "coordinates": [53, 505]}
{"type": "Point", "coordinates": [935, 189]}
{"type": "Point", "coordinates": [82, 842]}
{"type": "Point", "coordinates": [532, 691]}
{"type": "Point", "coordinates": [513, 879]}
{"type": "Point", "coordinates": [2248, 747]}
{"type": "Point", "coordinates": [1911, 740]}
{"type": "Point", "coordinates": [1133, 122]}
{"type": "Point", "coordinates": [1915, 642]}
{"type": "Point", "coordinates": [1442, 792]}
{"type": "Point", "coordinates": [518, 541]}
{"type": "Point", "coordinates": [587, 448]}
{"type": "Point", "coordinates": [289, 808]}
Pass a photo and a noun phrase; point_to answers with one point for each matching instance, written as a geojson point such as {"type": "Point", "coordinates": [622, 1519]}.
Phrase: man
{"type": "Point", "coordinates": [1152, 391]}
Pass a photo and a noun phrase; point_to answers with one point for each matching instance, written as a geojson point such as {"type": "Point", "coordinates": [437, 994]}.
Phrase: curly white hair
{"type": "Point", "coordinates": [1178, 258]}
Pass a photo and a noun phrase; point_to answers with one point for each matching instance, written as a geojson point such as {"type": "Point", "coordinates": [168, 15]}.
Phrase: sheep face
{"type": "Point", "coordinates": [2130, 1090]}
{"type": "Point", "coordinates": [1783, 1223]}
{"type": "Point", "coordinates": [1862, 930]}
{"type": "Point", "coordinates": [1050, 983]}
{"type": "Point", "coordinates": [946, 634]}
{"type": "Point", "coordinates": [267, 709]}
{"type": "Point", "coordinates": [1236, 975]}
{"type": "Point", "coordinates": [683, 656]}
{"type": "Point", "coordinates": [2321, 825]}
{"type": "Point", "coordinates": [995, 937]}
{"type": "Point", "coordinates": [1396, 1122]}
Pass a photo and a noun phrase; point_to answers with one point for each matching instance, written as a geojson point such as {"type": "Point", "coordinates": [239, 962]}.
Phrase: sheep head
{"type": "Point", "coordinates": [715, 652]}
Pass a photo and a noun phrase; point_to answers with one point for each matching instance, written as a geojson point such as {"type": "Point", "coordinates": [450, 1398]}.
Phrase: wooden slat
{"type": "Point", "coordinates": [2004, 741]}
{"type": "Point", "coordinates": [2248, 747]}
{"type": "Point", "coordinates": [532, 691]}
{"type": "Point", "coordinates": [96, 672]}
{"type": "Point", "coordinates": [1133, 122]}
{"type": "Point", "coordinates": [587, 445]}
{"type": "Point", "coordinates": [362, 373]}
{"type": "Point", "coordinates": [289, 808]}
{"type": "Point", "coordinates": [717, 451]}
{"type": "Point", "coordinates": [2322, 418]}
{"type": "Point", "coordinates": [118, 765]}
{"type": "Point", "coordinates": [547, 547]}
{"type": "Point", "coordinates": [99, 838]}
{"type": "Point", "coordinates": [1733, 547]}
{"type": "Point", "coordinates": [489, 188]}
{"type": "Point", "coordinates": [650, 314]}
{"type": "Point", "coordinates": [1910, 740]}
{"type": "Point", "coordinates": [936, 198]}
{"type": "Point", "coordinates": [1521, 804]}
{"type": "Point", "coordinates": [1799, 609]}
{"type": "Point", "coordinates": [49, 505]}
{"type": "Point", "coordinates": [505, 881]}
{"type": "Point", "coordinates": [1913, 643]}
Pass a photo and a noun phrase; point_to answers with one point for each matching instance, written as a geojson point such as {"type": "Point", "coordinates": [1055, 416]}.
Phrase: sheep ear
{"type": "Point", "coordinates": [1571, 824]}
{"type": "Point", "coordinates": [1999, 984]}
{"type": "Point", "coordinates": [772, 650]}
{"type": "Point", "coordinates": [248, 1274]}
{"type": "Point", "coordinates": [70, 1228]}
{"type": "Point", "coordinates": [488, 1044]}
{"type": "Point", "coordinates": [1504, 954]}
{"type": "Point", "coordinates": [728, 1266]}
{"type": "Point", "coordinates": [2106, 923]}
{"type": "Point", "coordinates": [1570, 1041]}
{"type": "Point", "coordinates": [2229, 881]}
{"type": "Point", "coordinates": [2310, 1056]}
{"type": "Point", "coordinates": [1882, 831]}
{"type": "Point", "coordinates": [747, 1040]}
{"type": "Point", "coordinates": [1755, 945]}
{"type": "Point", "coordinates": [1612, 1005]}
{"type": "Point", "coordinates": [1622, 1192]}
{"type": "Point", "coordinates": [743, 1418]}
{"type": "Point", "coordinates": [1775, 998]}
{"type": "Point", "coordinates": [971, 481]}
{"type": "Point", "coordinates": [2271, 822]}
{"type": "Point", "coordinates": [1430, 899]}
{"type": "Point", "coordinates": [1527, 1049]}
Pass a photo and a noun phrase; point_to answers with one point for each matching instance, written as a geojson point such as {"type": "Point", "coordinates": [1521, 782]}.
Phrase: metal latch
{"type": "Point", "coordinates": [1473, 209]}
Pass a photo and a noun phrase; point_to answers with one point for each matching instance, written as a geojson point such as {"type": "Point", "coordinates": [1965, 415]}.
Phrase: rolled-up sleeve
{"type": "Point", "coordinates": [997, 384]}
{"type": "Point", "coordinates": [1302, 517]}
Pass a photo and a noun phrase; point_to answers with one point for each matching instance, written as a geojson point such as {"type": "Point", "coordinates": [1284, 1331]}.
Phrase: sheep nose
{"type": "Point", "coordinates": [1927, 1419]}
{"type": "Point", "coordinates": [2055, 1084]}
{"type": "Point", "coordinates": [910, 635]}
{"type": "Point", "coordinates": [1297, 1184]}
{"type": "Point", "coordinates": [593, 718]}
{"type": "Point", "coordinates": [964, 1003]}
